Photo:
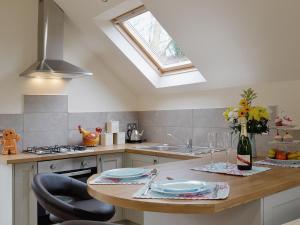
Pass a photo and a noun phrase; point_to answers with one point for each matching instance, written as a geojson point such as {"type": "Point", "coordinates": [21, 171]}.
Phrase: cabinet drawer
{"type": "Point", "coordinates": [60, 165]}
{"type": "Point", "coordinates": [137, 160]}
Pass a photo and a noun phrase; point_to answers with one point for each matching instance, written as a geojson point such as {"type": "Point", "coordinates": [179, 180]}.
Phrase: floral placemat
{"type": "Point", "coordinates": [105, 180]}
{"type": "Point", "coordinates": [230, 169]}
{"type": "Point", "coordinates": [220, 190]}
{"type": "Point", "coordinates": [268, 163]}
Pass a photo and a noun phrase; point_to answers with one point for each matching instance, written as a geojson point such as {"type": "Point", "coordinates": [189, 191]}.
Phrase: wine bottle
{"type": "Point", "coordinates": [244, 150]}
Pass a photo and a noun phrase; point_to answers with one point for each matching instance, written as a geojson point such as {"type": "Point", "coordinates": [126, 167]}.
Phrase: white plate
{"type": "Point", "coordinates": [124, 173]}
{"type": "Point", "coordinates": [283, 162]}
{"type": "Point", "coordinates": [177, 187]}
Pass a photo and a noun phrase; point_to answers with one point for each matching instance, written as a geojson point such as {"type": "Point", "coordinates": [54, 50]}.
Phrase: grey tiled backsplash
{"type": "Point", "coordinates": [46, 121]}
{"type": "Point", "coordinates": [97, 119]}
{"type": "Point", "coordinates": [193, 123]}
{"type": "Point", "coordinates": [87, 120]}
{"type": "Point", "coordinates": [182, 124]}
{"type": "Point", "coordinates": [45, 103]}
{"type": "Point", "coordinates": [43, 138]}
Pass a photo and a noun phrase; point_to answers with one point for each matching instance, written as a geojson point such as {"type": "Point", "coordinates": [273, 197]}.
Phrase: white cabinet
{"type": "Point", "coordinates": [281, 207]}
{"type": "Point", "coordinates": [109, 162]}
{"type": "Point", "coordinates": [166, 160]}
{"type": "Point", "coordinates": [137, 160]}
{"type": "Point", "coordinates": [6, 194]}
{"type": "Point", "coordinates": [25, 204]}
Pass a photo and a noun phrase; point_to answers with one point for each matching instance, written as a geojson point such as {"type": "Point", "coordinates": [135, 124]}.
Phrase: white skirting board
{"type": "Point", "coordinates": [6, 194]}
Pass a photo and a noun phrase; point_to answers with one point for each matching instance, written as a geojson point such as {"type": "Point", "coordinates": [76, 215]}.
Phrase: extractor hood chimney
{"type": "Point", "coordinates": [50, 63]}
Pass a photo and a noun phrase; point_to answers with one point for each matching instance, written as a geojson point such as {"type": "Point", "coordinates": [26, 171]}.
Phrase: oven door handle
{"type": "Point", "coordinates": [77, 173]}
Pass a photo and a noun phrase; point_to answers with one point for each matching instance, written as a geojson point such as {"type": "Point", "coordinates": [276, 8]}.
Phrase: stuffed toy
{"type": "Point", "coordinates": [9, 141]}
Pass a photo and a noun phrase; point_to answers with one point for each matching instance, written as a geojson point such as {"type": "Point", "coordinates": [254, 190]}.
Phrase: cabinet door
{"type": "Point", "coordinates": [166, 160]}
{"type": "Point", "coordinates": [109, 162]}
{"type": "Point", "coordinates": [137, 160]}
{"type": "Point", "coordinates": [281, 207]}
{"type": "Point", "coordinates": [25, 204]}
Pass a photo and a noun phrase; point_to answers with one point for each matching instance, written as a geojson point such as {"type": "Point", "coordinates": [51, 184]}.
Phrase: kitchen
{"type": "Point", "coordinates": [228, 50]}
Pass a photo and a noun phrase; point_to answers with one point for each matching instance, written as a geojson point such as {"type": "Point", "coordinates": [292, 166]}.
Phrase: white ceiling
{"type": "Point", "coordinates": [231, 42]}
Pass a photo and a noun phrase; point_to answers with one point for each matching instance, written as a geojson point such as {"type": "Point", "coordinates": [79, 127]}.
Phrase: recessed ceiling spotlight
{"type": "Point", "coordinates": [104, 0]}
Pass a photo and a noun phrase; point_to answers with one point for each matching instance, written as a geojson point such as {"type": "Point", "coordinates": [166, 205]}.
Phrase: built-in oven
{"type": "Point", "coordinates": [78, 168]}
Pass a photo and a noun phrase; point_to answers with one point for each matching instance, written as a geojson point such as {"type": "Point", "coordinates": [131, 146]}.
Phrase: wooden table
{"type": "Point", "coordinates": [246, 194]}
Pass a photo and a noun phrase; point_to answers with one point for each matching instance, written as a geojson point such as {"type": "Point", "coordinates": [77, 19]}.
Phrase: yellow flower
{"type": "Point", "coordinates": [254, 114]}
{"type": "Point", "coordinates": [258, 113]}
{"type": "Point", "coordinates": [263, 112]}
{"type": "Point", "coordinates": [242, 112]}
{"type": "Point", "coordinates": [243, 102]}
{"type": "Point", "coordinates": [226, 113]}
{"type": "Point", "coordinates": [247, 109]}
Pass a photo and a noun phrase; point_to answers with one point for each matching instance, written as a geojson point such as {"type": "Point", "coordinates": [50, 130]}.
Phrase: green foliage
{"type": "Point", "coordinates": [249, 95]}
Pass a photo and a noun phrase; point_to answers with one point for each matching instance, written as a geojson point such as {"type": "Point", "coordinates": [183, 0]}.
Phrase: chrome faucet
{"type": "Point", "coordinates": [188, 143]}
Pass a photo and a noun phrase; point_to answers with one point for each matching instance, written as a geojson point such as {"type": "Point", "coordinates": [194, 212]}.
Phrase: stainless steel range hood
{"type": "Point", "coordinates": [50, 63]}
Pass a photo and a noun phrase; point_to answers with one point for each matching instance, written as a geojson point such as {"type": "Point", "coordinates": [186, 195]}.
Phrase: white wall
{"type": "Point", "coordinates": [233, 42]}
{"type": "Point", "coordinates": [282, 94]}
{"type": "Point", "coordinates": [18, 23]}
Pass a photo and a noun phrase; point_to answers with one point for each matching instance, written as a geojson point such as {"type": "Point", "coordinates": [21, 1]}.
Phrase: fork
{"type": "Point", "coordinates": [154, 173]}
{"type": "Point", "coordinates": [215, 191]}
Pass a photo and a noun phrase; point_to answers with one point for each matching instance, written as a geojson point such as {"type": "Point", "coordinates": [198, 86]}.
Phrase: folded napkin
{"type": "Point", "coordinates": [106, 180]}
{"type": "Point", "coordinates": [231, 169]}
{"type": "Point", "coordinates": [220, 190]}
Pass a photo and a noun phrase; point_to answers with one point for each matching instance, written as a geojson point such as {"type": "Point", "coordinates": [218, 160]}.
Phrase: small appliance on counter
{"type": "Point", "coordinates": [119, 138]}
{"type": "Point", "coordinates": [107, 139]}
{"type": "Point", "coordinates": [112, 127]}
{"type": "Point", "coordinates": [90, 138]}
{"type": "Point", "coordinates": [133, 135]}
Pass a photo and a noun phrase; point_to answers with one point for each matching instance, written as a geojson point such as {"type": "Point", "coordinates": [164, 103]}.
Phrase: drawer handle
{"type": "Point", "coordinates": [52, 167]}
{"type": "Point", "coordinates": [84, 164]}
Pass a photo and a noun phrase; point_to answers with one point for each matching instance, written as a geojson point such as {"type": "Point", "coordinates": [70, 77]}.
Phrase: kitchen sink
{"type": "Point", "coordinates": [163, 148]}
{"type": "Point", "coordinates": [176, 148]}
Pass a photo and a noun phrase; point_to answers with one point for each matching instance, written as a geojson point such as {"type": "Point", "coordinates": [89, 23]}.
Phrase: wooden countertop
{"type": "Point", "coordinates": [243, 189]}
{"type": "Point", "coordinates": [130, 148]}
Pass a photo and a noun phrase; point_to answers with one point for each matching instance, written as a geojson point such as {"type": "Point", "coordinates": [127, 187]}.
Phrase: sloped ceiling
{"type": "Point", "coordinates": [231, 42]}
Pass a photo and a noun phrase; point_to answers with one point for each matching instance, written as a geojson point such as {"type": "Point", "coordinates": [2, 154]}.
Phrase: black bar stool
{"type": "Point", "coordinates": [49, 189]}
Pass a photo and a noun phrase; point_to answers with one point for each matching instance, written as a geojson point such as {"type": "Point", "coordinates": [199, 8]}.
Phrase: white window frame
{"type": "Point", "coordinates": [144, 51]}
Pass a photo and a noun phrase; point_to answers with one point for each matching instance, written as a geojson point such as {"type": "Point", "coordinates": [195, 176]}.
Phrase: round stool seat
{"type": "Point", "coordinates": [92, 209]}
{"type": "Point", "coordinates": [50, 190]}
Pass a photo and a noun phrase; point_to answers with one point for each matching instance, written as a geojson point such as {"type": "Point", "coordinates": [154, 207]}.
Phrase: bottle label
{"type": "Point", "coordinates": [243, 160]}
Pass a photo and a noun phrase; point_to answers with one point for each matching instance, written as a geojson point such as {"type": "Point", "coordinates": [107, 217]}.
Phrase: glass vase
{"type": "Point", "coordinates": [253, 144]}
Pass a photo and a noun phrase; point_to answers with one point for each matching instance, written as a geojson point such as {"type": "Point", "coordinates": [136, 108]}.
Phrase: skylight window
{"type": "Point", "coordinates": [146, 34]}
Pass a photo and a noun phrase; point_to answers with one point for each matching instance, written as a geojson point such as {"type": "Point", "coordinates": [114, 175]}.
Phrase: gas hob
{"type": "Point", "coordinates": [55, 149]}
